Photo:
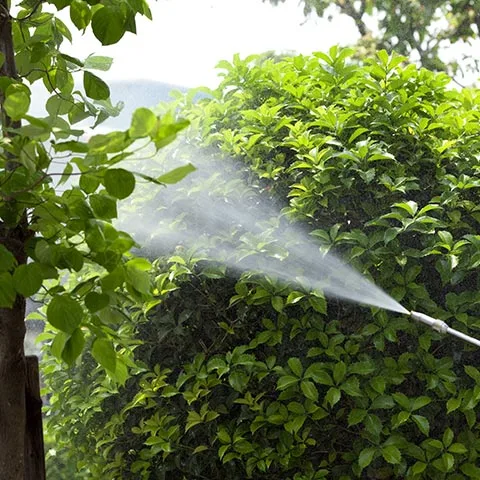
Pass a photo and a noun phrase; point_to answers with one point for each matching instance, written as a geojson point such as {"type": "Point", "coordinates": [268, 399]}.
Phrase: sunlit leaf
{"type": "Point", "coordinates": [391, 454]}
{"type": "Point", "coordinates": [177, 174]}
{"type": "Point", "coordinates": [366, 456]}
{"type": "Point", "coordinates": [94, 62]}
{"type": "Point", "coordinates": [64, 313]}
{"type": "Point", "coordinates": [143, 123]}
{"type": "Point", "coordinates": [104, 353]}
{"type": "Point", "coordinates": [80, 14]}
{"type": "Point", "coordinates": [119, 183]}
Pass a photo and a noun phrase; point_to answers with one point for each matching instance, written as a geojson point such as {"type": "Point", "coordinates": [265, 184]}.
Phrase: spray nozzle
{"type": "Point", "coordinates": [441, 327]}
{"type": "Point", "coordinates": [433, 323]}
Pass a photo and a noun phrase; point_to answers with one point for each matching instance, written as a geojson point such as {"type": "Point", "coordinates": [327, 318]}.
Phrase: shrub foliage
{"type": "Point", "coordinates": [242, 376]}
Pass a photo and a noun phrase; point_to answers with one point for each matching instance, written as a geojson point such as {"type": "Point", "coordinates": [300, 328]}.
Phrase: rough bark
{"type": "Point", "coordinates": [34, 448]}
{"type": "Point", "coordinates": [12, 321]}
{"type": "Point", "coordinates": [12, 392]}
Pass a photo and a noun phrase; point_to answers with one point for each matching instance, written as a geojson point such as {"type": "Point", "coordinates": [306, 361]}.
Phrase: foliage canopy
{"type": "Point", "coordinates": [242, 376]}
{"type": "Point", "coordinates": [59, 191]}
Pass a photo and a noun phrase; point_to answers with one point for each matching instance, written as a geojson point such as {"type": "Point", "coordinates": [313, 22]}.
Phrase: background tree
{"type": "Point", "coordinates": [418, 29]}
{"type": "Point", "coordinates": [58, 193]}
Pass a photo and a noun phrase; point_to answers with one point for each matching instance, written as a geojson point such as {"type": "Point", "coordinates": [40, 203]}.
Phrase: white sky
{"type": "Point", "coordinates": [187, 38]}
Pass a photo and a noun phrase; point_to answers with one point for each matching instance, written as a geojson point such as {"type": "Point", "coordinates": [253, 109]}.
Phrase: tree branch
{"type": "Point", "coordinates": [347, 8]}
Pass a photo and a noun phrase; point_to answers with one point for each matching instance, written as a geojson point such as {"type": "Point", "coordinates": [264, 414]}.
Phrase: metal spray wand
{"type": "Point", "coordinates": [442, 327]}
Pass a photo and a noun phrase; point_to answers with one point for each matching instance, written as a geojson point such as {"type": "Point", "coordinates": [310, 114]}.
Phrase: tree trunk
{"type": "Point", "coordinates": [12, 321]}
{"type": "Point", "coordinates": [34, 448]}
{"type": "Point", "coordinates": [12, 391]}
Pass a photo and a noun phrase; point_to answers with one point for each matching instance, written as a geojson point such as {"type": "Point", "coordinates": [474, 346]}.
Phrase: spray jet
{"type": "Point", "coordinates": [441, 327]}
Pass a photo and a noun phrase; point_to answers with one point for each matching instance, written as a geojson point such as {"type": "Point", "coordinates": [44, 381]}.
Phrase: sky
{"type": "Point", "coordinates": [187, 38]}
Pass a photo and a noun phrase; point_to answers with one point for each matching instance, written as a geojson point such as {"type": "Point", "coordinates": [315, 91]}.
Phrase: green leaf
{"type": "Point", "coordinates": [402, 400]}
{"type": "Point", "coordinates": [472, 372]}
{"type": "Point", "coordinates": [72, 259]}
{"type": "Point", "coordinates": [112, 142]}
{"type": "Point", "coordinates": [418, 468]}
{"type": "Point", "coordinates": [200, 448]}
{"type": "Point", "coordinates": [366, 456]}
{"type": "Point", "coordinates": [356, 415]}
{"type": "Point", "coordinates": [58, 344]}
{"type": "Point", "coordinates": [357, 133]}
{"type": "Point", "coordinates": [286, 381]}
{"type": "Point", "coordinates": [139, 263]}
{"type": "Point", "coordinates": [470, 470]}
{"type": "Point", "coordinates": [422, 423]}
{"type": "Point", "coordinates": [17, 104]}
{"type": "Point", "coordinates": [339, 371]}
{"type": "Point", "coordinates": [294, 425]}
{"type": "Point", "coordinates": [104, 353]}
{"type": "Point", "coordinates": [7, 292]}
{"type": "Point", "coordinates": [137, 277]}
{"type": "Point", "coordinates": [309, 390]}
{"type": "Point", "coordinates": [64, 313]}
{"type": "Point", "coordinates": [383, 57]}
{"type": "Point", "coordinates": [238, 380]}
{"type": "Point", "coordinates": [362, 368]}
{"type": "Point", "coordinates": [108, 25]}
{"type": "Point", "coordinates": [333, 396]}
{"type": "Point", "coordinates": [447, 460]}
{"type": "Point", "coordinates": [224, 436]}
{"type": "Point", "coordinates": [277, 303]}
{"type": "Point", "coordinates": [446, 237]}
{"type": "Point", "coordinates": [58, 106]}
{"type": "Point", "coordinates": [166, 132]}
{"type": "Point", "coordinates": [295, 366]}
{"type": "Point", "coordinates": [177, 174]}
{"type": "Point", "coordinates": [379, 384]}
{"type": "Point", "coordinates": [93, 62]}
{"type": "Point", "coordinates": [89, 182]}
{"type": "Point", "coordinates": [410, 206]}
{"type": "Point", "coordinates": [80, 14]}
{"type": "Point", "coordinates": [7, 260]}
{"type": "Point", "coordinates": [95, 301]}
{"type": "Point", "coordinates": [351, 387]}
{"type": "Point", "coordinates": [391, 454]}
{"type": "Point", "coordinates": [319, 304]}
{"type": "Point", "coordinates": [373, 424]}
{"type": "Point", "coordinates": [318, 374]}
{"type": "Point", "coordinates": [104, 206]}
{"type": "Point", "coordinates": [447, 438]}
{"type": "Point", "coordinates": [400, 419]}
{"type": "Point", "coordinates": [95, 87]}
{"type": "Point", "coordinates": [391, 234]}
{"type": "Point", "coordinates": [458, 448]}
{"type": "Point", "coordinates": [119, 183]}
{"type": "Point", "coordinates": [294, 297]}
{"type": "Point", "coordinates": [143, 123]}
{"type": "Point", "coordinates": [420, 402]}
{"type": "Point", "coordinates": [453, 404]}
{"type": "Point", "coordinates": [27, 279]}
{"type": "Point", "coordinates": [73, 346]}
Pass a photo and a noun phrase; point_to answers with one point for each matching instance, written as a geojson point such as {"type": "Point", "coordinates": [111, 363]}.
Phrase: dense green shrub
{"type": "Point", "coordinates": [242, 376]}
